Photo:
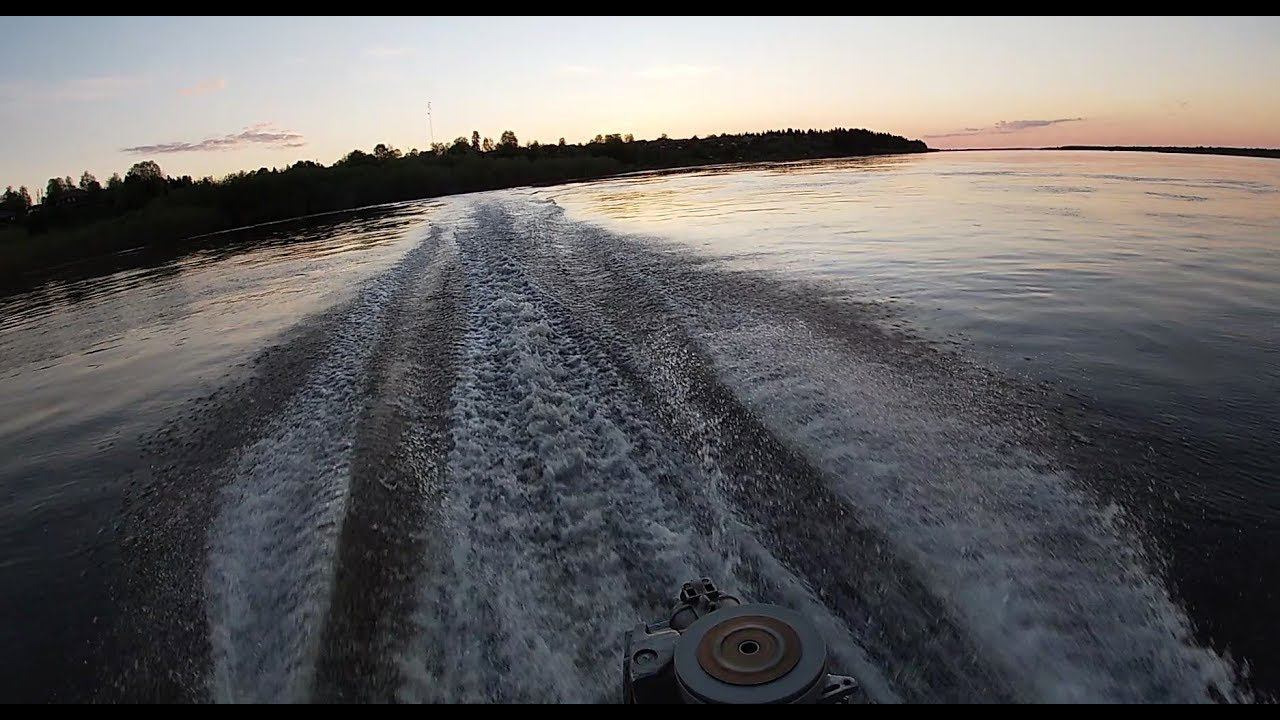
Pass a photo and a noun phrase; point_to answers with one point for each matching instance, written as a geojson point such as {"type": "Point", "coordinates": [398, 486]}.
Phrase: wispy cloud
{"type": "Point", "coordinates": [204, 87]}
{"type": "Point", "coordinates": [260, 134]}
{"type": "Point", "coordinates": [1005, 127]}
{"type": "Point", "coordinates": [671, 72]}
{"type": "Point", "coordinates": [384, 51]}
{"type": "Point", "coordinates": [101, 87]}
{"type": "Point", "coordinates": [577, 70]}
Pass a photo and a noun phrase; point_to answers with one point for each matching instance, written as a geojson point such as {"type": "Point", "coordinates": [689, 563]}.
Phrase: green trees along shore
{"type": "Point", "coordinates": [81, 219]}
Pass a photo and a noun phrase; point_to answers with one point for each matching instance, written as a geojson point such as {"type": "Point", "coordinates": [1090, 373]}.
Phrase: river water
{"type": "Point", "coordinates": [1003, 424]}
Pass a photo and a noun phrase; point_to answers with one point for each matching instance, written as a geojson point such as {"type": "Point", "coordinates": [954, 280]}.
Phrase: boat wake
{"type": "Point", "coordinates": [513, 446]}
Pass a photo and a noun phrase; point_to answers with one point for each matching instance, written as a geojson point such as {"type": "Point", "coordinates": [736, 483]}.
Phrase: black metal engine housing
{"type": "Point", "coordinates": [716, 650]}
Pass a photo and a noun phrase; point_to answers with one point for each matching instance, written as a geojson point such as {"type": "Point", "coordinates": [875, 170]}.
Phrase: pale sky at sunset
{"type": "Point", "coordinates": [210, 96]}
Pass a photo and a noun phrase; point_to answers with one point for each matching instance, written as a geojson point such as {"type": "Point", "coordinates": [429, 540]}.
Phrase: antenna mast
{"type": "Point", "coordinates": [431, 126]}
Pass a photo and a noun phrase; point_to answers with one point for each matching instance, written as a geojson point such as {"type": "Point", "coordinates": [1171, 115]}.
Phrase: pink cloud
{"type": "Point", "coordinates": [204, 87]}
{"type": "Point", "coordinates": [260, 134]}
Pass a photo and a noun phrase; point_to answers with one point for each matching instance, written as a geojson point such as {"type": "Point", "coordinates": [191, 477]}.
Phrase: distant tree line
{"type": "Point", "coordinates": [1200, 150]}
{"type": "Point", "coordinates": [67, 202]}
{"type": "Point", "coordinates": [76, 219]}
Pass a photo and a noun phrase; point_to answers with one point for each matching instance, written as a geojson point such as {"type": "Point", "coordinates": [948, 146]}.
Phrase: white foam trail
{"type": "Point", "coordinates": [272, 546]}
{"type": "Point", "coordinates": [1050, 586]}
{"type": "Point", "coordinates": [561, 536]}
{"type": "Point", "coordinates": [1047, 584]}
{"type": "Point", "coordinates": [543, 491]}
{"type": "Point", "coordinates": [560, 521]}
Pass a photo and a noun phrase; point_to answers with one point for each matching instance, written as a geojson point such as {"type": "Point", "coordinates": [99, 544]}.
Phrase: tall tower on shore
{"type": "Point", "coordinates": [431, 127]}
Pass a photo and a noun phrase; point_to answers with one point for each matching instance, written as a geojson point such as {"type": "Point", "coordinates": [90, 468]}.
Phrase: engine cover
{"type": "Point", "coordinates": [716, 650]}
{"type": "Point", "coordinates": [759, 654]}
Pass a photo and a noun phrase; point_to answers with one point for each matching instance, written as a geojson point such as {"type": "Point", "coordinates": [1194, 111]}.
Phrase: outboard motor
{"type": "Point", "coordinates": [715, 649]}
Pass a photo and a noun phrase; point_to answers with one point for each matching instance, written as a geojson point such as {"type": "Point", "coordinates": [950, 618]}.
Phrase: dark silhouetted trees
{"type": "Point", "coordinates": [459, 147]}
{"type": "Point", "coordinates": [145, 171]}
{"type": "Point", "coordinates": [1201, 150]}
{"type": "Point", "coordinates": [56, 190]}
{"type": "Point", "coordinates": [146, 207]}
{"type": "Point", "coordinates": [17, 201]}
{"type": "Point", "coordinates": [89, 183]}
{"type": "Point", "coordinates": [385, 152]}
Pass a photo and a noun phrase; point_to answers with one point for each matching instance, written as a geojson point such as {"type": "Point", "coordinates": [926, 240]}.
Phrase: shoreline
{"type": "Point", "coordinates": [21, 255]}
{"type": "Point", "coordinates": [1269, 153]}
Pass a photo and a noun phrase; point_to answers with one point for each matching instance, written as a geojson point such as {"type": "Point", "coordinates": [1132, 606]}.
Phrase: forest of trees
{"type": "Point", "coordinates": [1201, 150]}
{"type": "Point", "coordinates": [79, 219]}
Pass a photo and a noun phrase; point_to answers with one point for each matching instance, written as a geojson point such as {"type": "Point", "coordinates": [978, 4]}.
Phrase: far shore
{"type": "Point", "coordinates": [1238, 152]}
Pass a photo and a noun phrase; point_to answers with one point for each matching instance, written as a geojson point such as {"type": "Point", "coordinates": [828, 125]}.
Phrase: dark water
{"type": "Point", "coordinates": [92, 366]}
{"type": "Point", "coordinates": [1003, 424]}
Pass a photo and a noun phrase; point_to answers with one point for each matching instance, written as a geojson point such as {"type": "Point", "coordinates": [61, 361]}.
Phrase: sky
{"type": "Point", "coordinates": [210, 96]}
